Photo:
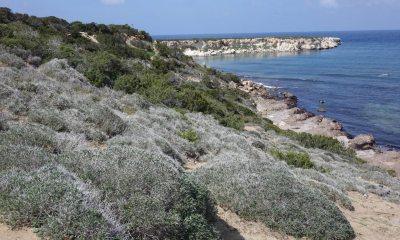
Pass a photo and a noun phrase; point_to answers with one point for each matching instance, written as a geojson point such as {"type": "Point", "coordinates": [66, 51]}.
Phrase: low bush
{"type": "Point", "coordinates": [30, 135]}
{"type": "Point", "coordinates": [49, 118]}
{"type": "Point", "coordinates": [150, 195]}
{"type": "Point", "coordinates": [313, 141]}
{"type": "Point", "coordinates": [106, 120]}
{"type": "Point", "coordinates": [189, 135]}
{"type": "Point", "coordinates": [12, 60]}
{"type": "Point", "coordinates": [23, 157]}
{"type": "Point", "coordinates": [267, 192]}
{"type": "Point", "coordinates": [44, 199]}
{"type": "Point", "coordinates": [299, 160]}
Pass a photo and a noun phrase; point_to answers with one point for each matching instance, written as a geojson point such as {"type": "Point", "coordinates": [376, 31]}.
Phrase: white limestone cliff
{"type": "Point", "coordinates": [200, 47]}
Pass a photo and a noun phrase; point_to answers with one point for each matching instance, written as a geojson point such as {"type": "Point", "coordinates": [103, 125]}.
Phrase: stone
{"type": "Point", "coordinates": [321, 110]}
{"type": "Point", "coordinates": [322, 101]}
{"type": "Point", "coordinates": [288, 95]}
{"type": "Point", "coordinates": [232, 85]}
{"type": "Point", "coordinates": [363, 142]}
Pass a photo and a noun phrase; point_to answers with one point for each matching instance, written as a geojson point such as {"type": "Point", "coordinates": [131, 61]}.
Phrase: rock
{"type": "Point", "coordinates": [204, 65]}
{"type": "Point", "coordinates": [321, 110]}
{"type": "Point", "coordinates": [281, 124]}
{"type": "Point", "coordinates": [363, 142]}
{"type": "Point", "coordinates": [232, 85]}
{"type": "Point", "coordinates": [288, 95]}
{"type": "Point", "coordinates": [322, 101]}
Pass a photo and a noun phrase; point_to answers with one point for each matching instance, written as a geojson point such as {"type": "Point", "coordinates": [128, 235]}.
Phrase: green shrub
{"type": "Point", "coordinates": [104, 68]}
{"type": "Point", "coordinates": [163, 50]}
{"type": "Point", "coordinates": [392, 173]}
{"type": "Point", "coordinates": [360, 161]}
{"type": "Point", "coordinates": [299, 160]}
{"type": "Point", "coordinates": [313, 141]}
{"type": "Point", "coordinates": [189, 135]}
{"type": "Point", "coordinates": [128, 83]}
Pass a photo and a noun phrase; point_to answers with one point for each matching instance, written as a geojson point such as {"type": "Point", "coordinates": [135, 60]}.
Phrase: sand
{"type": "Point", "coordinates": [373, 218]}
{"type": "Point", "coordinates": [21, 234]}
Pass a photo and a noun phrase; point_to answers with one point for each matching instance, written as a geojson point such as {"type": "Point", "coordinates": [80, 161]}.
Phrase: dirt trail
{"type": "Point", "coordinates": [21, 234]}
{"type": "Point", "coordinates": [373, 217]}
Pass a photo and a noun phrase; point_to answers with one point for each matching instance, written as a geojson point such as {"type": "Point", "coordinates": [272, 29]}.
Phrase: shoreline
{"type": "Point", "coordinates": [286, 114]}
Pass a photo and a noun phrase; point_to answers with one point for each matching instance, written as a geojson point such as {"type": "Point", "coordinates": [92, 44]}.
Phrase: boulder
{"type": "Point", "coordinates": [321, 110]}
{"type": "Point", "coordinates": [232, 85]}
{"type": "Point", "coordinates": [363, 141]}
{"type": "Point", "coordinates": [288, 95]}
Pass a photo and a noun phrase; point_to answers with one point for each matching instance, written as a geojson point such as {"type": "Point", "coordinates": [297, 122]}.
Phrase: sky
{"type": "Point", "coordinates": [169, 17]}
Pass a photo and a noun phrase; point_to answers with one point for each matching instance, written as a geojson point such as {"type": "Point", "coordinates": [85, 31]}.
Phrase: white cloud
{"type": "Point", "coordinates": [329, 3]}
{"type": "Point", "coordinates": [113, 2]}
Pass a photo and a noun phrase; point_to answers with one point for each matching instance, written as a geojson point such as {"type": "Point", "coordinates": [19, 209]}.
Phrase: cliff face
{"type": "Point", "coordinates": [252, 45]}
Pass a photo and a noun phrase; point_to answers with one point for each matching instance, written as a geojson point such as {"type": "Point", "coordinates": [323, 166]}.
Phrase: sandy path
{"type": "Point", "coordinates": [21, 234]}
{"type": "Point", "coordinates": [232, 227]}
{"type": "Point", "coordinates": [373, 217]}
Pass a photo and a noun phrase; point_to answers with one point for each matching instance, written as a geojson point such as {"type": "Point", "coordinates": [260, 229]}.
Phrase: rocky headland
{"type": "Point", "coordinates": [281, 108]}
{"type": "Point", "coordinates": [212, 47]}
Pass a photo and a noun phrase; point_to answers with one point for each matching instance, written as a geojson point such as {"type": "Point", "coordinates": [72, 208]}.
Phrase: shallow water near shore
{"type": "Point", "coordinates": [359, 80]}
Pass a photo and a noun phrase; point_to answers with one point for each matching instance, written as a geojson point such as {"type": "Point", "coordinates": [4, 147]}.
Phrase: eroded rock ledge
{"type": "Point", "coordinates": [203, 47]}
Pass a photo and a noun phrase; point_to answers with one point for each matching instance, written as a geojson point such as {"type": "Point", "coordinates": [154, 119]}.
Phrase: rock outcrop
{"type": "Point", "coordinates": [203, 47]}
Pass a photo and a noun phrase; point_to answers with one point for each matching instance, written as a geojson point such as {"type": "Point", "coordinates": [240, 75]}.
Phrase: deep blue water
{"type": "Point", "coordinates": [360, 80]}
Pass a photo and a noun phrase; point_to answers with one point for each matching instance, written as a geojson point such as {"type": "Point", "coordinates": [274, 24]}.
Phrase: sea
{"type": "Point", "coordinates": [359, 80]}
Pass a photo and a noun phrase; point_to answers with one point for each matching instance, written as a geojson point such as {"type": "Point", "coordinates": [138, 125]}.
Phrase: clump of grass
{"type": "Point", "coordinates": [299, 160]}
{"type": "Point", "coordinates": [391, 173]}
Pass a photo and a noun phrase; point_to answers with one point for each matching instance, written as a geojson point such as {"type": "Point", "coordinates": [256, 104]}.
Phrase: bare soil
{"type": "Point", "coordinates": [232, 227]}
{"type": "Point", "coordinates": [21, 234]}
{"type": "Point", "coordinates": [373, 218]}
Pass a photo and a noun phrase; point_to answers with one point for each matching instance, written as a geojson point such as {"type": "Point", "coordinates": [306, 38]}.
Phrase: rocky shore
{"type": "Point", "coordinates": [201, 47]}
{"type": "Point", "coordinates": [281, 108]}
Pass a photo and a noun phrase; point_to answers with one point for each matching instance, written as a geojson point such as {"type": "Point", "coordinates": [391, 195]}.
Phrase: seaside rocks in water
{"type": "Point", "coordinates": [322, 101]}
{"type": "Point", "coordinates": [321, 109]}
{"type": "Point", "coordinates": [363, 142]}
{"type": "Point", "coordinates": [288, 95]}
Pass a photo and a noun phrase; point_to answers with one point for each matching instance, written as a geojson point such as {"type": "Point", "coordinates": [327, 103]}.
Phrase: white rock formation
{"type": "Point", "coordinates": [252, 45]}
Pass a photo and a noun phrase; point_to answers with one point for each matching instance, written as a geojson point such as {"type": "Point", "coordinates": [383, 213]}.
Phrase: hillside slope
{"type": "Point", "coordinates": [94, 137]}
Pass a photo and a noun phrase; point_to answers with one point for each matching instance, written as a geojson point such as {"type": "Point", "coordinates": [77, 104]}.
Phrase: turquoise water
{"type": "Point", "coordinates": [359, 80]}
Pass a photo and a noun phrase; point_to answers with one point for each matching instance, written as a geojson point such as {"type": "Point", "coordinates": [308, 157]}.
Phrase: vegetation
{"type": "Point", "coordinates": [313, 141]}
{"type": "Point", "coordinates": [93, 137]}
{"type": "Point", "coordinates": [299, 160]}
